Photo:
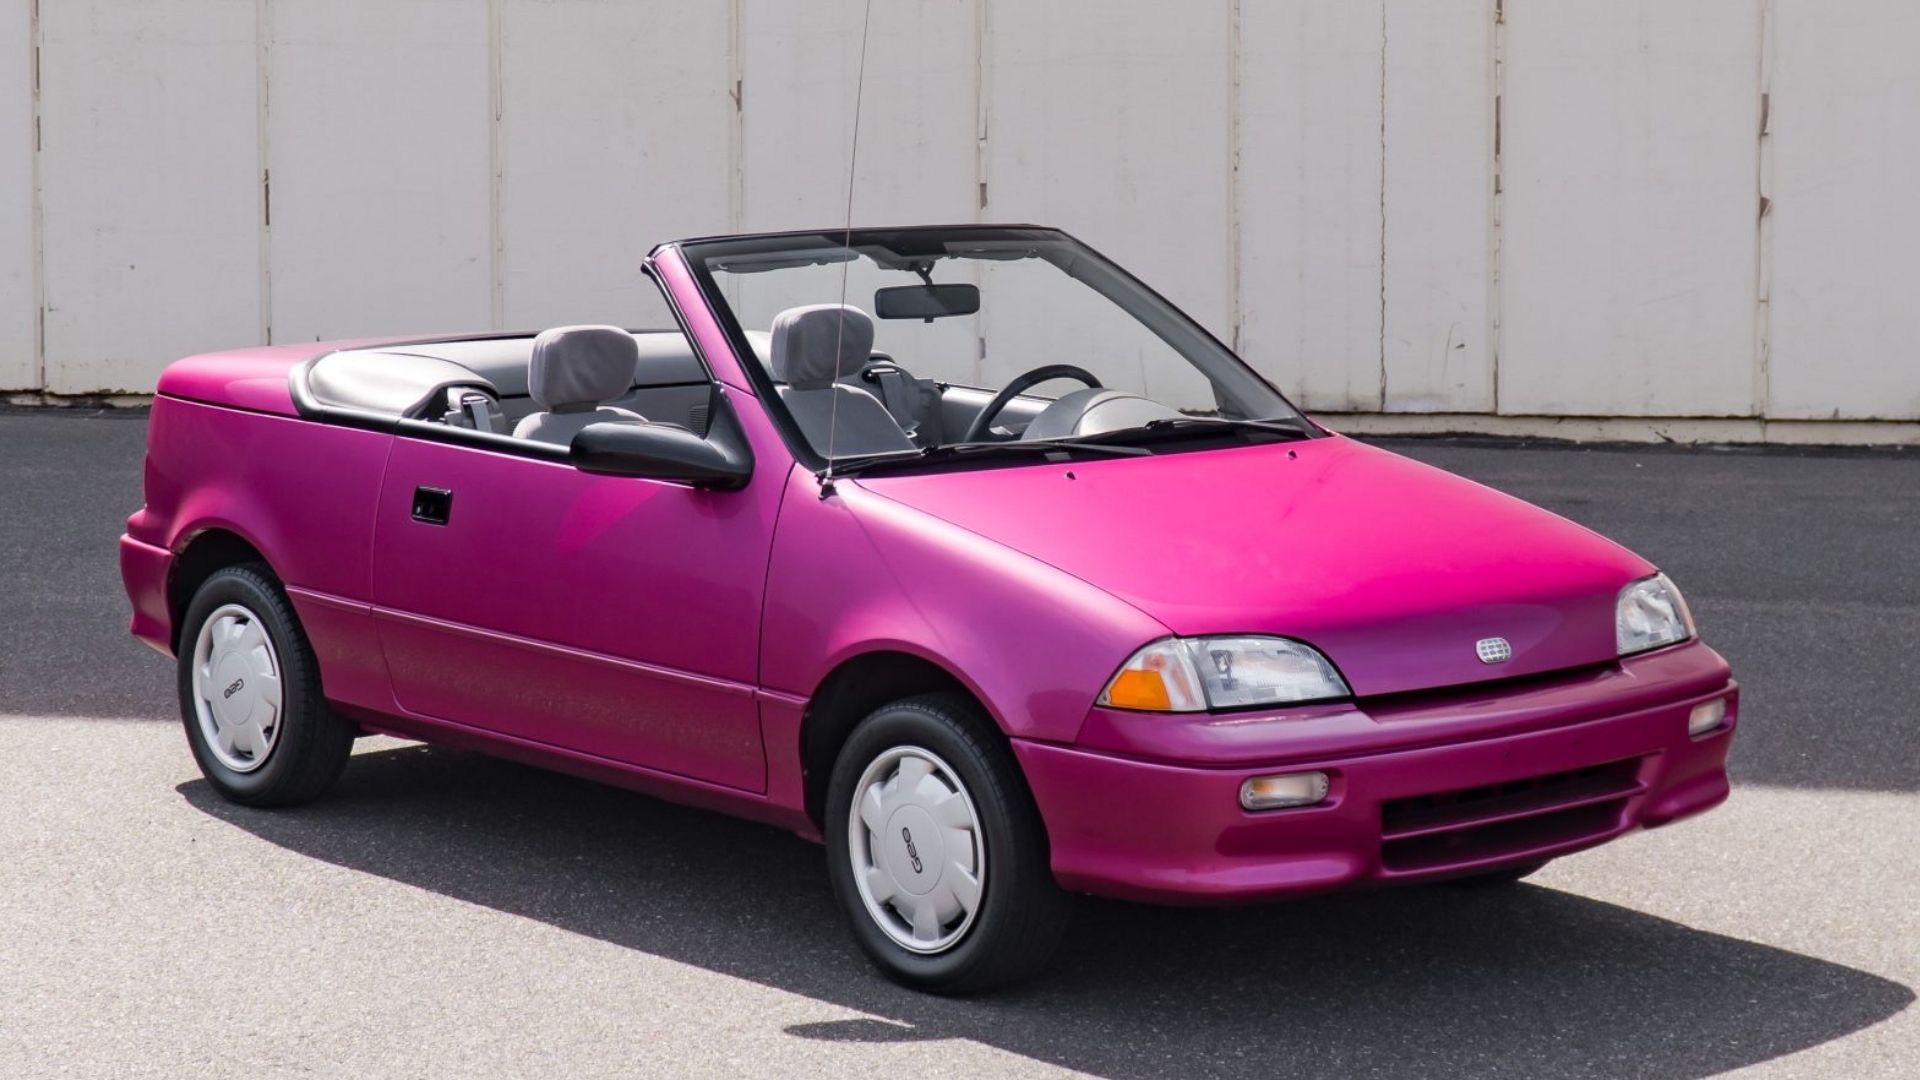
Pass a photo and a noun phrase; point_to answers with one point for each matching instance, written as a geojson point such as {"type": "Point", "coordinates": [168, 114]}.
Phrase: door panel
{"type": "Point", "coordinates": [609, 615]}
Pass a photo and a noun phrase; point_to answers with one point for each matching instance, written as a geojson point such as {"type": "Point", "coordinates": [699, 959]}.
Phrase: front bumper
{"type": "Point", "coordinates": [1439, 786]}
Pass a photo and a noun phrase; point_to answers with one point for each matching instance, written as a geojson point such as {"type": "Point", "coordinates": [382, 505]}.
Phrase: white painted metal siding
{"type": "Point", "coordinates": [643, 152]}
{"type": "Point", "coordinates": [378, 137]}
{"type": "Point", "coordinates": [19, 304]}
{"type": "Point", "coordinates": [150, 190]}
{"type": "Point", "coordinates": [1627, 249]}
{"type": "Point", "coordinates": [1437, 345]}
{"type": "Point", "coordinates": [801, 63]}
{"type": "Point", "coordinates": [1308, 202]}
{"type": "Point", "coordinates": [1505, 207]}
{"type": "Point", "coordinates": [1845, 220]}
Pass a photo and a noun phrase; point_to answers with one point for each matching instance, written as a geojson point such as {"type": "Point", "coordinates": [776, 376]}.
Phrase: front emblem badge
{"type": "Point", "coordinates": [1493, 650]}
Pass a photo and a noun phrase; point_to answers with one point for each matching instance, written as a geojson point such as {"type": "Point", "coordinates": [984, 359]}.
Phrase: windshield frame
{"type": "Point", "coordinates": [697, 253]}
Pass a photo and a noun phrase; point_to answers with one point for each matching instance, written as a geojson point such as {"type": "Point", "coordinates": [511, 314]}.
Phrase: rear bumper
{"type": "Point", "coordinates": [144, 568]}
{"type": "Point", "coordinates": [1524, 789]}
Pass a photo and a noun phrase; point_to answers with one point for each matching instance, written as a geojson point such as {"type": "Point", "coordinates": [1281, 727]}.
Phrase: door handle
{"type": "Point", "coordinates": [432, 505]}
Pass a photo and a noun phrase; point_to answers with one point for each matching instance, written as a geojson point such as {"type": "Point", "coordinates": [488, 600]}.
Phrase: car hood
{"type": "Point", "coordinates": [1394, 569]}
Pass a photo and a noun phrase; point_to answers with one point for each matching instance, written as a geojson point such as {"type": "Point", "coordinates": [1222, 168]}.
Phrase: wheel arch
{"type": "Point", "coordinates": [850, 692]}
{"type": "Point", "coordinates": [203, 553]}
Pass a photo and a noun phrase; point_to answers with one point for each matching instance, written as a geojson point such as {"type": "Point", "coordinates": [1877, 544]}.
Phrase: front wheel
{"type": "Point", "coordinates": [250, 694]}
{"type": "Point", "coordinates": [936, 851]}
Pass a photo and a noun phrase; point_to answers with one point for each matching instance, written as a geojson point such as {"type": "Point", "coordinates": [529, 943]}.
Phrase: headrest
{"type": "Point", "coordinates": [578, 367]}
{"type": "Point", "coordinates": [807, 342]}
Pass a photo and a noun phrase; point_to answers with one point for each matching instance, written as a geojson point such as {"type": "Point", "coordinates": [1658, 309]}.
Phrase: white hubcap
{"type": "Point", "coordinates": [919, 855]}
{"type": "Point", "coordinates": [236, 688]}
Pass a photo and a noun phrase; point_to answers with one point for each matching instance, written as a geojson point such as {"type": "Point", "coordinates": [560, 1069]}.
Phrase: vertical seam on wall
{"type": "Point", "coordinates": [1382, 405]}
{"type": "Point", "coordinates": [39, 216]}
{"type": "Point", "coordinates": [496, 170]}
{"type": "Point", "coordinates": [736, 132]}
{"type": "Point", "coordinates": [736, 123]}
{"type": "Point", "coordinates": [981, 27]}
{"type": "Point", "coordinates": [1236, 68]}
{"type": "Point", "coordinates": [982, 162]}
{"type": "Point", "coordinates": [262, 71]}
{"type": "Point", "coordinates": [1496, 202]}
{"type": "Point", "coordinates": [1763, 221]}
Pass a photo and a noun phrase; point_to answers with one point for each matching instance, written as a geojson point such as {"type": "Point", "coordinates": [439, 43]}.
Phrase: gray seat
{"type": "Point", "coordinates": [574, 372]}
{"type": "Point", "coordinates": [813, 348]}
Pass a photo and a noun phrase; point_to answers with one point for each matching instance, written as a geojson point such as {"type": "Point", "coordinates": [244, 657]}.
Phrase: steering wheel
{"type": "Point", "coordinates": [984, 420]}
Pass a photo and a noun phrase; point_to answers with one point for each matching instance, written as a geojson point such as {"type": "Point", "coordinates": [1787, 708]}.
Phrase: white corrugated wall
{"type": "Point", "coordinates": [1592, 208]}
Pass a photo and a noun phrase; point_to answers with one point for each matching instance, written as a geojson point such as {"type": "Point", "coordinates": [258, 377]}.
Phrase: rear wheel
{"type": "Point", "coordinates": [936, 851]}
{"type": "Point", "coordinates": [250, 694]}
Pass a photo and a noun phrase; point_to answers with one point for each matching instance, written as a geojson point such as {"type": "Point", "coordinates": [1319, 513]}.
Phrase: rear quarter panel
{"type": "Point", "coordinates": [302, 493]}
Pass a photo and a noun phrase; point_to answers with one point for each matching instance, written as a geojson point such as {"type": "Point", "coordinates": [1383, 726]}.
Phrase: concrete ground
{"type": "Point", "coordinates": [443, 914]}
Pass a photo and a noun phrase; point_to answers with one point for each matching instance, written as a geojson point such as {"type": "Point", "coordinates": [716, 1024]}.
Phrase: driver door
{"type": "Point", "coordinates": [614, 617]}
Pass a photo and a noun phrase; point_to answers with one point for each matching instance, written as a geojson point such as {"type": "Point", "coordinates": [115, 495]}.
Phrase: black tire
{"type": "Point", "coordinates": [1021, 914]}
{"type": "Point", "coordinates": [1506, 875]}
{"type": "Point", "coordinates": [312, 742]}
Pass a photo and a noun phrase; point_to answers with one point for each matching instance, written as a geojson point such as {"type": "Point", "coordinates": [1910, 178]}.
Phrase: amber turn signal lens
{"type": "Point", "coordinates": [1158, 678]}
{"type": "Point", "coordinates": [1140, 690]}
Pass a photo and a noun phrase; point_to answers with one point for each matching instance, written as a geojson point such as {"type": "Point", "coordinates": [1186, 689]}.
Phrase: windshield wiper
{"type": "Point", "coordinates": [970, 451]}
{"type": "Point", "coordinates": [1285, 427]}
{"type": "Point", "coordinates": [1297, 429]}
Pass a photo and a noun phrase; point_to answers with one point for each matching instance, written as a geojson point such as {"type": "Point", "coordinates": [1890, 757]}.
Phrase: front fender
{"type": "Point", "coordinates": [857, 572]}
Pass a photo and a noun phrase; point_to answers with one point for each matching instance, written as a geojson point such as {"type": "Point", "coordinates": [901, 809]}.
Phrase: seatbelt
{"type": "Point", "coordinates": [897, 394]}
{"type": "Point", "coordinates": [480, 413]}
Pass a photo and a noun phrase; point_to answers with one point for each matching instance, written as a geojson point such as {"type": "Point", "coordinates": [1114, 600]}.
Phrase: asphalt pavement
{"type": "Point", "coordinates": [444, 914]}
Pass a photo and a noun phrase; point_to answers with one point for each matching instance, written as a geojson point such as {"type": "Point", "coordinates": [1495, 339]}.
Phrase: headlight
{"type": "Point", "coordinates": [1651, 613]}
{"type": "Point", "coordinates": [1196, 674]}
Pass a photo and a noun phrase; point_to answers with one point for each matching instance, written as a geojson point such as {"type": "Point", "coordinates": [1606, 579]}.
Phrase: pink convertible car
{"type": "Point", "coordinates": [825, 550]}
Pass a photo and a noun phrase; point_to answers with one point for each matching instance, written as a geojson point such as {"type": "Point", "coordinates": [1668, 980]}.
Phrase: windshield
{"type": "Point", "coordinates": [971, 335]}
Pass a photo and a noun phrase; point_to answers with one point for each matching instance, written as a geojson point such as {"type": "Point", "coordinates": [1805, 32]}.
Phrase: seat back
{"type": "Point", "coordinates": [812, 348]}
{"type": "Point", "coordinates": [573, 372]}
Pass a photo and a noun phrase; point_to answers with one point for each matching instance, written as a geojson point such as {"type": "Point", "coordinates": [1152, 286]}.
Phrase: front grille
{"type": "Point", "coordinates": [1434, 832]}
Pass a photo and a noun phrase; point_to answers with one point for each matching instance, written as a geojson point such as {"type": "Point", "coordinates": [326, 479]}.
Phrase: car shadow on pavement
{"type": "Point", "coordinates": [1516, 981]}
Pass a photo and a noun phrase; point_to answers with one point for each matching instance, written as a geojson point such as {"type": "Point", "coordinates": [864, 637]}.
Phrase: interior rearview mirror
{"type": "Point", "coordinates": [927, 302]}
